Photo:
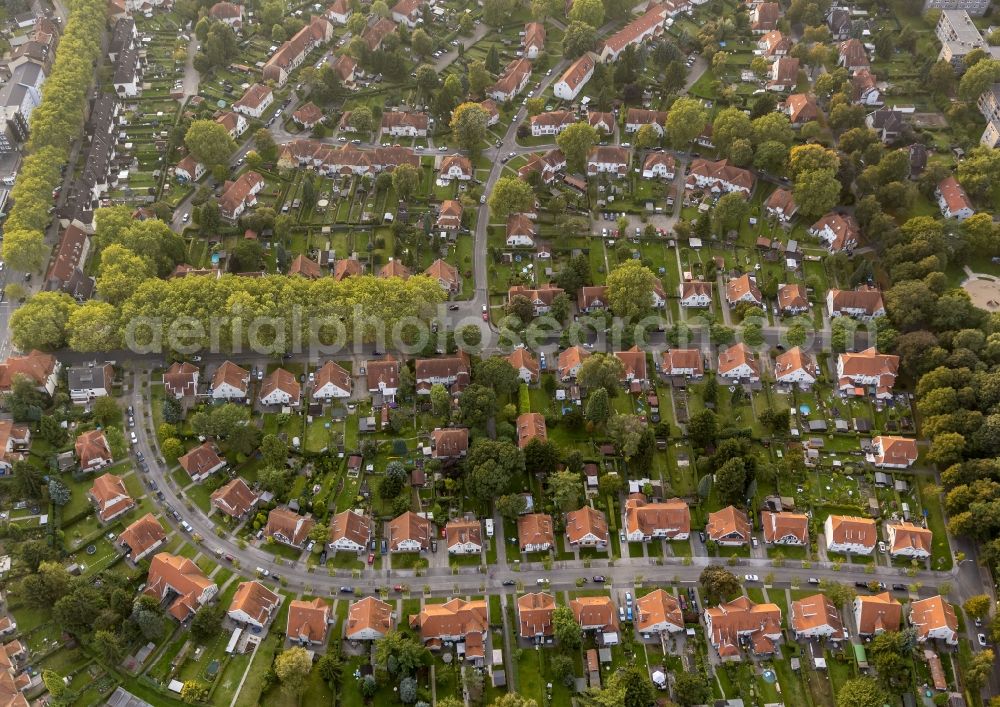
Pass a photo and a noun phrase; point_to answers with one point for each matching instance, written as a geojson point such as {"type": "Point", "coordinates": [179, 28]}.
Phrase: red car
{"type": "Point", "coordinates": [486, 313]}
{"type": "Point", "coordinates": [398, 588]}
{"type": "Point", "coordinates": [371, 558]}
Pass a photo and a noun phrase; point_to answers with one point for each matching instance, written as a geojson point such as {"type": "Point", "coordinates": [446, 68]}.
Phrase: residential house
{"type": "Point", "coordinates": [230, 382]}
{"type": "Point", "coordinates": [876, 613]}
{"type": "Point", "coordinates": [569, 362]}
{"type": "Point", "coordinates": [110, 497]}
{"type": "Point", "coordinates": [633, 365]}
{"type": "Point", "coordinates": [445, 274]}
{"type": "Point", "coordinates": [403, 124]}
{"type": "Point", "coordinates": [838, 21]}
{"type": "Point", "coordinates": [737, 363]}
{"type": "Point", "coordinates": [492, 111]}
{"type": "Point", "coordinates": [850, 534]}
{"type": "Point", "coordinates": [852, 55]}
{"type": "Point", "coordinates": [253, 605]}
{"type": "Point", "coordinates": [952, 200]}
{"type": "Point", "coordinates": [383, 377]}
{"type": "Point", "coordinates": [743, 289]}
{"type": "Point", "coordinates": [376, 32]}
{"type": "Point", "coordinates": [683, 362]}
{"type": "Point", "coordinates": [592, 298]}
{"type": "Point", "coordinates": [575, 78]}
{"type": "Point", "coordinates": [292, 53]}
{"type": "Point", "coordinates": [608, 159]}
{"type": "Point", "coordinates": [534, 532]}
{"type": "Point", "coordinates": [889, 452]}
{"type": "Point", "coordinates": [42, 369]}
{"type": "Point", "coordinates": [645, 521]}
{"type": "Point", "coordinates": [740, 620]}
{"type": "Point", "coordinates": [15, 440]}
{"type": "Point", "coordinates": [934, 618]}
{"type": "Point", "coordinates": [280, 387]}
{"type": "Point", "coordinates": [455, 167]}
{"type": "Point", "coordinates": [774, 44]}
{"type": "Point", "coordinates": [863, 303]}
{"type": "Point", "coordinates": [350, 531]}
{"type": "Point", "coordinates": [308, 115]}
{"type": "Point", "coordinates": [658, 612]}
{"type": "Point", "coordinates": [407, 12]}
{"type": "Point", "coordinates": [719, 176]}
{"type": "Point", "coordinates": [182, 582]}
{"type": "Point", "coordinates": [869, 368]}
{"type": "Point", "coordinates": [369, 619]}
{"type": "Point", "coordinates": [66, 270]}
{"type": "Point", "coordinates": [308, 621]}
{"type": "Point", "coordinates": [254, 101]}
{"type": "Point", "coordinates": [801, 108]}
{"type": "Point", "coordinates": [792, 299]}
{"type": "Point", "coordinates": [453, 372]}
{"type": "Point", "coordinates": [181, 380]}
{"type": "Point", "coordinates": [728, 527]}
{"type": "Point", "coordinates": [235, 499]}
{"type": "Point", "coordinates": [587, 527]}
{"type": "Point", "coordinates": [234, 123]}
{"type": "Point", "coordinates": [658, 165]}
{"type": "Point", "coordinates": [142, 537]}
{"type": "Point", "coordinates": [796, 367]}
{"type": "Point", "coordinates": [344, 66]}
{"type": "Point", "coordinates": [512, 81]}
{"type": "Point", "coordinates": [530, 426]}
{"type": "Point", "coordinates": [202, 461]}
{"type": "Point", "coordinates": [410, 533]}
{"type": "Point", "coordinates": [455, 621]}
{"type": "Point", "coordinates": [816, 617]}
{"type": "Point", "coordinates": [784, 74]}
{"type": "Point", "coordinates": [595, 614]}
{"type": "Point", "coordinates": [908, 540]}
{"type": "Point", "coordinates": [449, 442]}
{"type": "Point", "coordinates": [332, 382]}
{"type": "Point", "coordinates": [348, 267]}
{"type": "Point", "coordinates": [602, 121]}
{"type": "Point", "coordinates": [449, 216]}
{"type": "Point", "coordinates": [525, 364]}
{"type": "Point", "coordinates": [540, 297]}
{"type": "Point", "coordinates": [764, 17]}
{"type": "Point", "coordinates": [227, 12]}
{"type": "Point", "coordinates": [534, 39]}
{"type": "Point", "coordinates": [239, 195]}
{"type": "Point", "coordinates": [521, 231]}
{"type": "Point", "coordinates": [288, 527]}
{"type": "Point", "coordinates": [534, 616]}
{"type": "Point", "coordinates": [551, 122]}
{"type": "Point", "coordinates": [394, 268]}
{"type": "Point", "coordinates": [636, 118]}
{"type": "Point", "coordinates": [650, 24]}
{"type": "Point", "coordinates": [92, 450]}
{"type": "Point", "coordinates": [838, 231]}
{"type": "Point", "coordinates": [888, 123]}
{"type": "Point", "coordinates": [464, 536]}
{"type": "Point", "coordinates": [189, 169]}
{"type": "Point", "coordinates": [864, 88]}
{"type": "Point", "coordinates": [88, 382]}
{"type": "Point", "coordinates": [695, 294]}
{"type": "Point", "coordinates": [785, 528]}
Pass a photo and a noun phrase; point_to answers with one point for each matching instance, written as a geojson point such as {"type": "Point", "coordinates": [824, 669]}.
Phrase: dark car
{"type": "Point", "coordinates": [861, 585]}
{"type": "Point", "coordinates": [899, 587]}
{"type": "Point", "coordinates": [599, 578]}
{"type": "Point", "coordinates": [347, 590]}
{"type": "Point", "coordinates": [509, 583]}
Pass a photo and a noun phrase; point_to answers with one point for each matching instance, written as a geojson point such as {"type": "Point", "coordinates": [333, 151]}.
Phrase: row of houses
{"type": "Point", "coordinates": [24, 73]}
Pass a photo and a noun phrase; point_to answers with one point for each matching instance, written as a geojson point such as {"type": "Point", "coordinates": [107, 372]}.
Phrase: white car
{"type": "Point", "coordinates": [751, 578]}
{"type": "Point", "coordinates": [982, 639]}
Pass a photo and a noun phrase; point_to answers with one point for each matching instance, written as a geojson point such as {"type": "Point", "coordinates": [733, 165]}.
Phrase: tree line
{"type": "Point", "coordinates": [54, 125]}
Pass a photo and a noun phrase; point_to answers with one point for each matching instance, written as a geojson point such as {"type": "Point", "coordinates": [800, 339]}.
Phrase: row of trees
{"type": "Point", "coordinates": [55, 125]}
{"type": "Point", "coordinates": [279, 312]}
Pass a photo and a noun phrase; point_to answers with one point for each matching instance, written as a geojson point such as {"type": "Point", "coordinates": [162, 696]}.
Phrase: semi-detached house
{"type": "Point", "coordinates": [292, 53]}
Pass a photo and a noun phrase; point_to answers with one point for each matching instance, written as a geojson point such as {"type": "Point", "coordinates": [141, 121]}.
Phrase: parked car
{"type": "Point", "coordinates": [509, 583]}
{"type": "Point", "coordinates": [751, 578]}
{"type": "Point", "coordinates": [263, 572]}
{"type": "Point", "coordinates": [599, 578]}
